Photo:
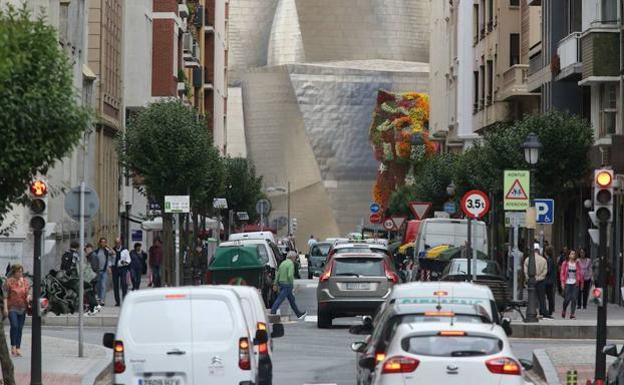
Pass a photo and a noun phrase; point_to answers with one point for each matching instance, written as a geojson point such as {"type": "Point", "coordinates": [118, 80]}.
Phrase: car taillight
{"type": "Point", "coordinates": [327, 273]}
{"type": "Point", "coordinates": [391, 275]}
{"type": "Point", "coordinates": [264, 347]}
{"type": "Point", "coordinates": [503, 365]}
{"type": "Point", "coordinates": [399, 364]}
{"type": "Point", "coordinates": [244, 357]}
{"type": "Point", "coordinates": [379, 356]}
{"type": "Point", "coordinates": [119, 363]}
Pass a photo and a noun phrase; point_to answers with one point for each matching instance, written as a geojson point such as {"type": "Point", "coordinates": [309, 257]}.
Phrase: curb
{"type": "Point", "coordinates": [577, 332]}
{"type": "Point", "coordinates": [99, 371]}
{"type": "Point", "coordinates": [544, 368]}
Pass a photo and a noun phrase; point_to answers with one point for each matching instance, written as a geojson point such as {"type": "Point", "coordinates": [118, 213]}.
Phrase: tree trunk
{"type": "Point", "coordinates": [8, 377]}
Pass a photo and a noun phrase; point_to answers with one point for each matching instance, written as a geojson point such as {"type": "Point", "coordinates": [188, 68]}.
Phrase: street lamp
{"type": "Point", "coordinates": [531, 147]}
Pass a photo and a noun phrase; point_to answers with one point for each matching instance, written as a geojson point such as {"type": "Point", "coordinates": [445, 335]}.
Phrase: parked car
{"type": "Point", "coordinates": [200, 335]}
{"type": "Point", "coordinates": [443, 352]}
{"type": "Point", "coordinates": [615, 373]}
{"type": "Point", "coordinates": [488, 274]}
{"type": "Point", "coordinates": [353, 284]}
{"type": "Point", "coordinates": [317, 258]}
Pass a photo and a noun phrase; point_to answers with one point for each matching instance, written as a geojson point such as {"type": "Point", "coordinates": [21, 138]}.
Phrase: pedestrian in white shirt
{"type": "Point", "coordinates": [120, 268]}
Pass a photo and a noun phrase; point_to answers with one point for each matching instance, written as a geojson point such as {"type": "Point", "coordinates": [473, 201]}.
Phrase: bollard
{"type": "Point", "coordinates": [571, 377]}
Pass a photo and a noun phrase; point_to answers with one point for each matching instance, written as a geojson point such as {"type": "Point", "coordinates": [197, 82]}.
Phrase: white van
{"type": "Point", "coordinates": [454, 232]}
{"type": "Point", "coordinates": [184, 336]}
{"type": "Point", "coordinates": [265, 235]}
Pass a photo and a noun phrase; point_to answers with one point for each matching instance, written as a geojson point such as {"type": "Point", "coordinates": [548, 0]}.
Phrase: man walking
{"type": "Point", "coordinates": [541, 272]}
{"type": "Point", "coordinates": [70, 257]}
{"type": "Point", "coordinates": [119, 271]}
{"type": "Point", "coordinates": [136, 265]}
{"type": "Point", "coordinates": [285, 280]}
{"type": "Point", "coordinates": [100, 261]}
{"type": "Point", "coordinates": [155, 261]}
{"type": "Point", "coordinates": [311, 242]}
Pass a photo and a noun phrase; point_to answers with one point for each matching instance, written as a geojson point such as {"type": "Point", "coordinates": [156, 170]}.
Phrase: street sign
{"type": "Point", "coordinates": [242, 215]}
{"type": "Point", "coordinates": [263, 207]}
{"type": "Point", "coordinates": [388, 224]}
{"type": "Point", "coordinates": [220, 203]}
{"type": "Point", "coordinates": [176, 204]}
{"type": "Point", "coordinates": [420, 209]}
{"type": "Point", "coordinates": [516, 187]}
{"type": "Point", "coordinates": [375, 218]}
{"type": "Point", "coordinates": [374, 208]}
{"type": "Point", "coordinates": [515, 219]}
{"type": "Point", "coordinates": [450, 207]}
{"type": "Point", "coordinates": [72, 203]}
{"type": "Point", "coordinates": [545, 211]}
{"type": "Point", "coordinates": [475, 204]}
{"type": "Point", "coordinates": [398, 221]}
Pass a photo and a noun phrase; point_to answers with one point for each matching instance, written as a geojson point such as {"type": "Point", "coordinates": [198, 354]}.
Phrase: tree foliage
{"type": "Point", "coordinates": [242, 187]}
{"type": "Point", "coordinates": [40, 119]}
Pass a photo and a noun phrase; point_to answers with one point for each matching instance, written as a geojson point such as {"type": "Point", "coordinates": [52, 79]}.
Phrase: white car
{"type": "Point", "coordinates": [264, 235]}
{"type": "Point", "coordinates": [448, 353]}
{"type": "Point", "coordinates": [185, 335]}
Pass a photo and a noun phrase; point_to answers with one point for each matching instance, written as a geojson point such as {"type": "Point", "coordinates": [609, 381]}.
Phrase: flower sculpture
{"type": "Point", "coordinates": [400, 138]}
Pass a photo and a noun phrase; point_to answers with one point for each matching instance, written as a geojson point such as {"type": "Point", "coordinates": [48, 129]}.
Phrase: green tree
{"type": "Point", "coordinates": [169, 147]}
{"type": "Point", "coordinates": [242, 187]}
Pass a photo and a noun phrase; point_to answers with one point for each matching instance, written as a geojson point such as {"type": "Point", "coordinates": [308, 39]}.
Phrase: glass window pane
{"type": "Point", "coordinates": [367, 267]}
{"type": "Point", "coordinates": [441, 346]}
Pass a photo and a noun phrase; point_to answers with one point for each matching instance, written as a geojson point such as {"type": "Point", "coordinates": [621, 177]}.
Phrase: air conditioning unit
{"type": "Point", "coordinates": [187, 42]}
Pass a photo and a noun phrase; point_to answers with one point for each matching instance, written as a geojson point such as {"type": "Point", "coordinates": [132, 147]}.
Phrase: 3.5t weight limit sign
{"type": "Point", "coordinates": [475, 204]}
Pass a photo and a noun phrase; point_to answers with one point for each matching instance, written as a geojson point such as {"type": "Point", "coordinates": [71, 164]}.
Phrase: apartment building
{"type": "Point", "coordinates": [499, 75]}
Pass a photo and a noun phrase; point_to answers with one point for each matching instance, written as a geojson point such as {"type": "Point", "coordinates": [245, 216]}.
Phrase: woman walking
{"type": "Point", "coordinates": [571, 281]}
{"type": "Point", "coordinates": [586, 273]}
{"type": "Point", "coordinates": [16, 298]}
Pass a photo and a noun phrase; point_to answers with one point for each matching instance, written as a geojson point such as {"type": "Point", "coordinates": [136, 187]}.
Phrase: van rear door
{"type": "Point", "coordinates": [156, 332]}
{"type": "Point", "coordinates": [217, 327]}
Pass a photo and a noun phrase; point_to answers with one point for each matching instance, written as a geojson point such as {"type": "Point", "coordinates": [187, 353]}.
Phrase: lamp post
{"type": "Point", "coordinates": [531, 147]}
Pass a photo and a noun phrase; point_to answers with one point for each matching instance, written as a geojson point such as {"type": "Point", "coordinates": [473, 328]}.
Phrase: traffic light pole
{"type": "Point", "coordinates": [601, 328]}
{"type": "Point", "coordinates": [35, 360]}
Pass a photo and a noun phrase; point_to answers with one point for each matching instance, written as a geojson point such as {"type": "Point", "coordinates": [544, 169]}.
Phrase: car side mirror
{"type": "Point", "coordinates": [506, 325]}
{"type": "Point", "coordinates": [526, 364]}
{"type": "Point", "coordinates": [278, 330]}
{"type": "Point", "coordinates": [262, 337]}
{"type": "Point", "coordinates": [108, 340]}
{"type": "Point", "coordinates": [610, 350]}
{"type": "Point", "coordinates": [358, 346]}
{"type": "Point", "coordinates": [367, 363]}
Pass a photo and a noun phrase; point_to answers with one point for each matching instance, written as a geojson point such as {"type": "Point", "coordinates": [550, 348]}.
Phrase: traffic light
{"type": "Point", "coordinates": [603, 194]}
{"type": "Point", "coordinates": [598, 296]}
{"type": "Point", "coordinates": [38, 191]}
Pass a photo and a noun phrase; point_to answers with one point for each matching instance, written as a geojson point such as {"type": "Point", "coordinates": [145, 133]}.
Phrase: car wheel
{"type": "Point", "coordinates": [323, 320]}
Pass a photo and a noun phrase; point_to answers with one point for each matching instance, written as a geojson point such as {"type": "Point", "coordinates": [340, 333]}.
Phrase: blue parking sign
{"type": "Point", "coordinates": [545, 211]}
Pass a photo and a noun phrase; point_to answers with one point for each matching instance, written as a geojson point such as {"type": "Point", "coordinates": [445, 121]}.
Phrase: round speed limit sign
{"type": "Point", "coordinates": [475, 204]}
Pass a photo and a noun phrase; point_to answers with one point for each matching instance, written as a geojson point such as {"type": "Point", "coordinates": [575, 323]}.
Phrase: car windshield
{"type": "Point", "coordinates": [358, 267]}
{"type": "Point", "coordinates": [324, 248]}
{"type": "Point", "coordinates": [483, 267]}
{"type": "Point", "coordinates": [452, 346]}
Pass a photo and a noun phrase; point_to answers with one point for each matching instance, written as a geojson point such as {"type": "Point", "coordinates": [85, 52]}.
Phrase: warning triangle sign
{"type": "Point", "coordinates": [516, 191]}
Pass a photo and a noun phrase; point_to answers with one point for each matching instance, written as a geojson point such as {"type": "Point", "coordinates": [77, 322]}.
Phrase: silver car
{"type": "Point", "coordinates": [353, 284]}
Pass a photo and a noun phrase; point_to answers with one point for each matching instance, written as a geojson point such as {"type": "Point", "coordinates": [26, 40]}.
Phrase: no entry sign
{"type": "Point", "coordinates": [475, 204]}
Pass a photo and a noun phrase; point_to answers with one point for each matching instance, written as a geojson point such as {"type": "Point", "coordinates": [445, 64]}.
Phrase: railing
{"type": "Point", "coordinates": [535, 64]}
{"type": "Point", "coordinates": [569, 50]}
{"type": "Point", "coordinates": [515, 80]}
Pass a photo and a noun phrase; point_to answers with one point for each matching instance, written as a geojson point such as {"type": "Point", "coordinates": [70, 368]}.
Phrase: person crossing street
{"type": "Point", "coordinates": [284, 280]}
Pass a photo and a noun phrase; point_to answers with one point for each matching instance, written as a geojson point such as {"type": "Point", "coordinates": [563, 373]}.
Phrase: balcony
{"type": "Point", "coordinates": [600, 51]}
{"type": "Point", "coordinates": [570, 59]}
{"type": "Point", "coordinates": [535, 63]}
{"type": "Point", "coordinates": [515, 81]}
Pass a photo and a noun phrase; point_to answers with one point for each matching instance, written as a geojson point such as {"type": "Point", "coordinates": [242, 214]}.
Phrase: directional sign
{"type": "Point", "coordinates": [375, 218]}
{"type": "Point", "coordinates": [374, 208]}
{"type": "Point", "coordinates": [516, 187]}
{"type": "Point", "coordinates": [388, 224]}
{"type": "Point", "coordinates": [242, 215]}
{"type": "Point", "coordinates": [263, 207]}
{"type": "Point", "coordinates": [545, 211]}
{"type": "Point", "coordinates": [176, 204]}
{"type": "Point", "coordinates": [398, 221]}
{"type": "Point", "coordinates": [475, 204]}
{"type": "Point", "coordinates": [420, 209]}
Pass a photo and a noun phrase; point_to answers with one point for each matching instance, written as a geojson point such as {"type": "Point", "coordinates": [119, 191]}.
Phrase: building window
{"type": "Point", "coordinates": [609, 11]}
{"type": "Point", "coordinates": [475, 17]}
{"type": "Point", "coordinates": [482, 20]}
{"type": "Point", "coordinates": [515, 3]}
{"type": "Point", "coordinates": [514, 49]}
{"type": "Point", "coordinates": [490, 84]}
{"type": "Point", "coordinates": [608, 109]}
{"type": "Point", "coordinates": [475, 105]}
{"type": "Point", "coordinates": [490, 24]}
{"type": "Point", "coordinates": [482, 88]}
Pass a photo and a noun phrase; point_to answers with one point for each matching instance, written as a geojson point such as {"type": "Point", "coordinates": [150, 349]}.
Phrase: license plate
{"type": "Point", "coordinates": [358, 286]}
{"type": "Point", "coordinates": [160, 381]}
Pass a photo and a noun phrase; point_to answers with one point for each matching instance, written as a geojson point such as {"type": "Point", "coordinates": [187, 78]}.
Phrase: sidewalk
{"type": "Point", "coordinates": [60, 365]}
{"type": "Point", "coordinates": [583, 327]}
{"type": "Point", "coordinates": [552, 364]}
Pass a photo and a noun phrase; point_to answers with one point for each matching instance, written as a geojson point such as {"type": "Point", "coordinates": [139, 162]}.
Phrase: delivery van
{"type": "Point", "coordinates": [453, 232]}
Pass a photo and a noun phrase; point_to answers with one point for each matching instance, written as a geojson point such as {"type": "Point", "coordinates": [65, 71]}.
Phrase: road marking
{"type": "Point", "coordinates": [311, 318]}
{"type": "Point", "coordinates": [311, 285]}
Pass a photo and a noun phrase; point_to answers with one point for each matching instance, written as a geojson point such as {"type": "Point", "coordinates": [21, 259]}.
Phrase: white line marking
{"type": "Point", "coordinates": [311, 318]}
{"type": "Point", "coordinates": [311, 285]}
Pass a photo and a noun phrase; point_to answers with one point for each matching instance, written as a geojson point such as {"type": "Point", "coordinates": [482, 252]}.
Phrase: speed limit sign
{"type": "Point", "coordinates": [388, 224]}
{"type": "Point", "coordinates": [475, 204]}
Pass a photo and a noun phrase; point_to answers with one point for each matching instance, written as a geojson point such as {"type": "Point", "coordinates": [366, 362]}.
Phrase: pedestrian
{"type": "Point", "coordinates": [136, 265]}
{"type": "Point", "coordinates": [571, 281]}
{"type": "Point", "coordinates": [119, 269]}
{"type": "Point", "coordinates": [17, 296]}
{"type": "Point", "coordinates": [70, 257]}
{"type": "Point", "coordinates": [586, 272]}
{"type": "Point", "coordinates": [563, 256]}
{"type": "Point", "coordinates": [551, 279]}
{"type": "Point", "coordinates": [285, 281]}
{"type": "Point", "coordinates": [101, 261]}
{"type": "Point", "coordinates": [541, 273]}
{"type": "Point", "coordinates": [311, 242]}
{"type": "Point", "coordinates": [89, 277]}
{"type": "Point", "coordinates": [155, 261]}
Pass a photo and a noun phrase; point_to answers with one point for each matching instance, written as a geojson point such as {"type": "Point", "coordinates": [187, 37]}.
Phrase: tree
{"type": "Point", "coordinates": [40, 119]}
{"type": "Point", "coordinates": [169, 147]}
{"type": "Point", "coordinates": [242, 187]}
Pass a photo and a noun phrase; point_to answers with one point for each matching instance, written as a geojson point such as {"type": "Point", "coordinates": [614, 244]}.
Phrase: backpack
{"type": "Point", "coordinates": [67, 261]}
{"type": "Point", "coordinates": [95, 263]}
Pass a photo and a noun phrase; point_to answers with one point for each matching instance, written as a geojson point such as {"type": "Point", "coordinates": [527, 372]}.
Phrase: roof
{"type": "Point", "coordinates": [358, 255]}
{"type": "Point", "coordinates": [453, 289]}
{"type": "Point", "coordinates": [240, 242]}
{"type": "Point", "coordinates": [362, 245]}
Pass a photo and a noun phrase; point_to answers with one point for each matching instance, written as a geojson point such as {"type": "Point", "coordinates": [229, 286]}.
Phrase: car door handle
{"type": "Point", "coordinates": [176, 352]}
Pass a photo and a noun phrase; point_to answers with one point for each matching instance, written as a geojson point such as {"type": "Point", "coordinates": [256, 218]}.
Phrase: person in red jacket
{"type": "Point", "coordinates": [571, 278]}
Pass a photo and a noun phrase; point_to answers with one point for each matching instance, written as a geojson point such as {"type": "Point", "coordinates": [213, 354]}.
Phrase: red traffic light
{"type": "Point", "coordinates": [604, 179]}
{"type": "Point", "coordinates": [38, 188]}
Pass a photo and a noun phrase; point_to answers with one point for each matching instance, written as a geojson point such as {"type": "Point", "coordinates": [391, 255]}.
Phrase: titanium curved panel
{"type": "Point", "coordinates": [285, 44]}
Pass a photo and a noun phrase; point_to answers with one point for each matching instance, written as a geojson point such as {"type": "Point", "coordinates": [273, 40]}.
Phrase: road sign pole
{"type": "Point", "coordinates": [177, 248]}
{"type": "Point", "coordinates": [35, 359]}
{"type": "Point", "coordinates": [80, 272]}
{"type": "Point", "coordinates": [515, 261]}
{"type": "Point", "coordinates": [469, 251]}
